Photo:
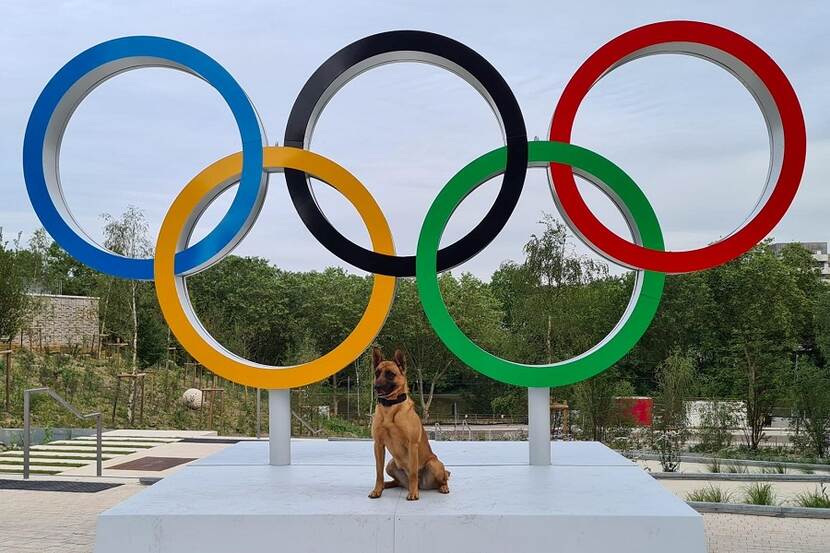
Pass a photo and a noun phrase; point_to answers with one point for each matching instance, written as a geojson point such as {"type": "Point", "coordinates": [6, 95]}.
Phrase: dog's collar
{"type": "Point", "coordinates": [388, 402]}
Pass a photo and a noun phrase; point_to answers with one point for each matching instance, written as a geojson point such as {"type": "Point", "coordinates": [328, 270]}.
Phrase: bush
{"type": "Point", "coordinates": [512, 404]}
{"type": "Point", "coordinates": [811, 400]}
{"type": "Point", "coordinates": [717, 418]}
{"type": "Point", "coordinates": [759, 494]}
{"type": "Point", "coordinates": [779, 468]}
{"type": "Point", "coordinates": [338, 427]}
{"type": "Point", "coordinates": [734, 468]}
{"type": "Point", "coordinates": [675, 379]}
{"type": "Point", "coordinates": [814, 500]}
{"type": "Point", "coordinates": [709, 494]}
{"type": "Point", "coordinates": [714, 465]}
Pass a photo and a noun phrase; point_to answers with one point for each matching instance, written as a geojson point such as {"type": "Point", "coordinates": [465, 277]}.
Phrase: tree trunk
{"type": "Point", "coordinates": [134, 360]}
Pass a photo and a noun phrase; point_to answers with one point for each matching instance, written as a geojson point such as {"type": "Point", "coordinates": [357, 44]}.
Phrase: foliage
{"type": "Point", "coordinates": [778, 468]}
{"type": "Point", "coordinates": [743, 327]}
{"type": "Point", "coordinates": [14, 302]}
{"type": "Point", "coordinates": [759, 493]}
{"type": "Point", "coordinates": [709, 494]}
{"type": "Point", "coordinates": [674, 383]}
{"type": "Point", "coordinates": [714, 465]}
{"type": "Point", "coordinates": [474, 308]}
{"type": "Point", "coordinates": [817, 499]}
{"type": "Point", "coordinates": [811, 402]}
{"type": "Point", "coordinates": [513, 403]}
{"type": "Point", "coordinates": [339, 427]}
{"type": "Point", "coordinates": [595, 404]}
{"type": "Point", "coordinates": [717, 419]}
{"type": "Point", "coordinates": [736, 468]}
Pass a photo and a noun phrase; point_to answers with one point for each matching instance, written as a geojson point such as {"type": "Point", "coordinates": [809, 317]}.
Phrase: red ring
{"type": "Point", "coordinates": [792, 121]}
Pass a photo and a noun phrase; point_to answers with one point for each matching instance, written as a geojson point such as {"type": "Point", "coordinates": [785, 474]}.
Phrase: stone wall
{"type": "Point", "coordinates": [61, 322]}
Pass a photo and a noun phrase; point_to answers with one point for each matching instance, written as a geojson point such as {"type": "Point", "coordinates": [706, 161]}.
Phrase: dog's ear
{"type": "Point", "coordinates": [400, 360]}
{"type": "Point", "coordinates": [377, 356]}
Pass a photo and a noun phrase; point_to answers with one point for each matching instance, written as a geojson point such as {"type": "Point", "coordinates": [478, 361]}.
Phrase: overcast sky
{"type": "Point", "coordinates": [684, 129]}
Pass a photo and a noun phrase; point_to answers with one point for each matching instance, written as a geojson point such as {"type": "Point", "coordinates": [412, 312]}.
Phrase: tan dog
{"type": "Point", "coordinates": [398, 428]}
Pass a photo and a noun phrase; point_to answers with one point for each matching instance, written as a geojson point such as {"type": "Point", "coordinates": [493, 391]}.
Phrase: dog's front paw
{"type": "Point", "coordinates": [444, 489]}
{"type": "Point", "coordinates": [413, 496]}
{"type": "Point", "coordinates": [374, 494]}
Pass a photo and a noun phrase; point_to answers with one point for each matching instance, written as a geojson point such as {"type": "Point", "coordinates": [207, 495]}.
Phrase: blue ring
{"type": "Point", "coordinates": [235, 221]}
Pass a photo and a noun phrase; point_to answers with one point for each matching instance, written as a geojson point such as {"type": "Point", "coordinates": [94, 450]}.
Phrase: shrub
{"type": "Point", "coordinates": [814, 500]}
{"type": "Point", "coordinates": [335, 426]}
{"type": "Point", "coordinates": [778, 468]}
{"type": "Point", "coordinates": [709, 494]}
{"type": "Point", "coordinates": [736, 469]}
{"type": "Point", "coordinates": [713, 465]}
{"type": "Point", "coordinates": [717, 418]}
{"type": "Point", "coordinates": [759, 494]}
{"type": "Point", "coordinates": [811, 400]}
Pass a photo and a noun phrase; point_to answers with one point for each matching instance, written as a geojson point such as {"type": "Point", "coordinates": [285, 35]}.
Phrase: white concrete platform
{"type": "Point", "coordinates": [589, 500]}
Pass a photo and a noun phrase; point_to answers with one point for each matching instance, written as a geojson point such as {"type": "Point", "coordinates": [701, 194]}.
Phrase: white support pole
{"type": "Point", "coordinates": [538, 425]}
{"type": "Point", "coordinates": [279, 427]}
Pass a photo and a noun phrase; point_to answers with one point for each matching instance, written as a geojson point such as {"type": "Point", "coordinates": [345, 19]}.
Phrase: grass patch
{"type": "Point", "coordinates": [773, 454]}
{"type": "Point", "coordinates": [734, 468]}
{"type": "Point", "coordinates": [709, 494]}
{"type": "Point", "coordinates": [104, 451]}
{"type": "Point", "coordinates": [36, 455]}
{"type": "Point", "coordinates": [33, 470]}
{"type": "Point", "coordinates": [779, 468]}
{"type": "Point", "coordinates": [41, 462]}
{"type": "Point", "coordinates": [814, 500]}
{"type": "Point", "coordinates": [714, 465]}
{"type": "Point", "coordinates": [759, 494]}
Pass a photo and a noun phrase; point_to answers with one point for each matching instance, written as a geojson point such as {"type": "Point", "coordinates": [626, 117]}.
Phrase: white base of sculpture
{"type": "Point", "coordinates": [589, 500]}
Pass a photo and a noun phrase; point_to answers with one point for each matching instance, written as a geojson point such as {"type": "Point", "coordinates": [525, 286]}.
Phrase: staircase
{"type": "Point", "coordinates": [61, 455]}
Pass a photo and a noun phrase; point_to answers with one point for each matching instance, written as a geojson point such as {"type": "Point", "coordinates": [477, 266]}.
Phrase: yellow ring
{"type": "Point", "coordinates": [175, 303]}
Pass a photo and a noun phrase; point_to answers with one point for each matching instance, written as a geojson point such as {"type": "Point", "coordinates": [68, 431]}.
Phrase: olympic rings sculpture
{"type": "Point", "coordinates": [176, 258]}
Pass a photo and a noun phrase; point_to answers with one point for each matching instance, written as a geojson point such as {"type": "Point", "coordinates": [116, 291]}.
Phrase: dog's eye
{"type": "Point", "coordinates": [389, 374]}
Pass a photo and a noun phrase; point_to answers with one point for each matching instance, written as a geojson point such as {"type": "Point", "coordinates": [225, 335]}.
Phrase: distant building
{"type": "Point", "coordinates": [819, 251]}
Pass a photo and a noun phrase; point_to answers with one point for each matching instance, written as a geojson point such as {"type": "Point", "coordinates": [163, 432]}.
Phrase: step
{"type": "Point", "coordinates": [88, 444]}
{"type": "Point", "coordinates": [71, 449]}
{"type": "Point", "coordinates": [128, 439]}
{"type": "Point", "coordinates": [7, 462]}
{"type": "Point", "coordinates": [32, 470]}
{"type": "Point", "coordinates": [56, 455]}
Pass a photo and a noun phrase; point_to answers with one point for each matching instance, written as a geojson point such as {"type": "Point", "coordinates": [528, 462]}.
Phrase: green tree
{"type": "Point", "coordinates": [14, 302]}
{"type": "Point", "coordinates": [127, 235]}
{"type": "Point", "coordinates": [759, 317]}
{"type": "Point", "coordinates": [474, 308]}
{"type": "Point", "coordinates": [810, 395]}
{"type": "Point", "coordinates": [675, 383]}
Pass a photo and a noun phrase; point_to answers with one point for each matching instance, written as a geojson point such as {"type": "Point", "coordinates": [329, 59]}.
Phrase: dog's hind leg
{"type": "Point", "coordinates": [397, 473]}
{"type": "Point", "coordinates": [434, 476]}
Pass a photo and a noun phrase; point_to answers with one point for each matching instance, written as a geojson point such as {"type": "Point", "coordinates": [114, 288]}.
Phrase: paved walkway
{"type": "Point", "coordinates": [748, 534]}
{"type": "Point", "coordinates": [55, 522]}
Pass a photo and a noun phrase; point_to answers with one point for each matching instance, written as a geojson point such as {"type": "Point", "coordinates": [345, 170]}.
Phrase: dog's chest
{"type": "Point", "coordinates": [388, 431]}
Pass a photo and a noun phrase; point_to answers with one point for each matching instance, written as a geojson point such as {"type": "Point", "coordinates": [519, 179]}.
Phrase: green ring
{"type": "Point", "coordinates": [641, 308]}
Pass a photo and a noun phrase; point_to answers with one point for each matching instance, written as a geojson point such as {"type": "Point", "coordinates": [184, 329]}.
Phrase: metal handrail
{"type": "Point", "coordinates": [27, 426]}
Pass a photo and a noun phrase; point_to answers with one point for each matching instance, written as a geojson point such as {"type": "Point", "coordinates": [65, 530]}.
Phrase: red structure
{"type": "Point", "coordinates": [636, 409]}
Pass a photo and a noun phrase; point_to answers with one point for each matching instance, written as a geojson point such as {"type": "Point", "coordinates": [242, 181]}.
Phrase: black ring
{"type": "Point", "coordinates": [390, 47]}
